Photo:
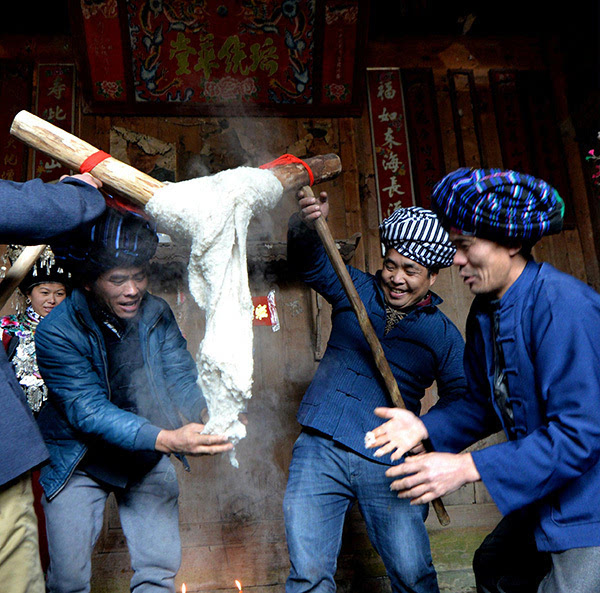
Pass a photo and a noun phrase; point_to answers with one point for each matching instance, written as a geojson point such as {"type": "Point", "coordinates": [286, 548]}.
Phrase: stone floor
{"type": "Point", "coordinates": [360, 569]}
{"type": "Point", "coordinates": [452, 552]}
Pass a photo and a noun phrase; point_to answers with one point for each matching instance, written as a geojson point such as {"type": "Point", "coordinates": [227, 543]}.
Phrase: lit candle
{"type": "Point", "coordinates": [239, 586]}
{"type": "Point", "coordinates": [183, 588]}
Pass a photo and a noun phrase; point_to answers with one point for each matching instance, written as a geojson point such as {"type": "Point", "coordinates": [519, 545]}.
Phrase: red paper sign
{"type": "Point", "coordinates": [390, 141]}
{"type": "Point", "coordinates": [55, 104]}
{"type": "Point", "coordinates": [265, 311]}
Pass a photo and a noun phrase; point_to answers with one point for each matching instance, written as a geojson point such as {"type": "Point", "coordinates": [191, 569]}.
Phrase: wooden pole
{"type": "Point", "coordinates": [127, 180]}
{"type": "Point", "coordinates": [367, 328]}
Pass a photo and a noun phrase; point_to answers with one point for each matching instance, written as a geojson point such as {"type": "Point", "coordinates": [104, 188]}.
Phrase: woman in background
{"type": "Point", "coordinates": [45, 286]}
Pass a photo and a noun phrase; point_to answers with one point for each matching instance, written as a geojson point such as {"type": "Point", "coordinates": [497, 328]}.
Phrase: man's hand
{"type": "Point", "coordinates": [311, 207]}
{"type": "Point", "coordinates": [86, 178]}
{"type": "Point", "coordinates": [189, 440]}
{"type": "Point", "coordinates": [401, 433]}
{"type": "Point", "coordinates": [431, 475]}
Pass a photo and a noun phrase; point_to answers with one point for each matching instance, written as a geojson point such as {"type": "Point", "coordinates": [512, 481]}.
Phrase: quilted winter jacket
{"type": "Point", "coordinates": [34, 213]}
{"type": "Point", "coordinates": [72, 359]}
{"type": "Point", "coordinates": [422, 348]}
{"type": "Point", "coordinates": [549, 324]}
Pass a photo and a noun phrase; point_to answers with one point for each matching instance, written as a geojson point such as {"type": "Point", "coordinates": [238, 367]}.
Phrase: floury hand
{"type": "Point", "coordinates": [421, 478]}
{"type": "Point", "coordinates": [189, 440]}
{"type": "Point", "coordinates": [402, 433]}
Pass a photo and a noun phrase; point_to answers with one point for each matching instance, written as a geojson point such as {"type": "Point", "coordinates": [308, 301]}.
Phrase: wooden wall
{"type": "Point", "coordinates": [231, 519]}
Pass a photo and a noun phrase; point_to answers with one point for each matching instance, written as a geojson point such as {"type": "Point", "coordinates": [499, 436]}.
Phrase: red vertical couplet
{"type": "Point", "coordinates": [390, 141]}
{"type": "Point", "coordinates": [55, 102]}
{"type": "Point", "coordinates": [15, 94]}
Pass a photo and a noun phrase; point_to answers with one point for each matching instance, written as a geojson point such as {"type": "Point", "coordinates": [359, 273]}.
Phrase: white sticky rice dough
{"type": "Point", "coordinates": [213, 213]}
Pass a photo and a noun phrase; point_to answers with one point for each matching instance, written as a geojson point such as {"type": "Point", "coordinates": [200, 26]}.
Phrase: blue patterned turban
{"type": "Point", "coordinates": [498, 204]}
{"type": "Point", "coordinates": [121, 237]}
{"type": "Point", "coordinates": [416, 233]}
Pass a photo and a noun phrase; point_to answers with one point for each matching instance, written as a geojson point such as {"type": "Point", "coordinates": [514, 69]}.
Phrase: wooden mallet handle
{"type": "Point", "coordinates": [367, 328]}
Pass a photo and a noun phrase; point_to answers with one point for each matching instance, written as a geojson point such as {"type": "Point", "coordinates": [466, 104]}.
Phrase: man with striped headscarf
{"type": "Point", "coordinates": [532, 361]}
{"type": "Point", "coordinates": [331, 469]}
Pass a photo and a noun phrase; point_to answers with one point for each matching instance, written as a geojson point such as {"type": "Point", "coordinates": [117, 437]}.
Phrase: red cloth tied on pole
{"type": "Point", "coordinates": [92, 161]}
{"type": "Point", "coordinates": [286, 159]}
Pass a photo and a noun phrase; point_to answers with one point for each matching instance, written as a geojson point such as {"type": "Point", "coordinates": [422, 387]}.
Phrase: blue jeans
{"type": "Point", "coordinates": [150, 520]}
{"type": "Point", "coordinates": [324, 481]}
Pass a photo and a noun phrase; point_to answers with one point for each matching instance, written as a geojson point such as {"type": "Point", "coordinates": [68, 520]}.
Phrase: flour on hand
{"type": "Point", "coordinates": [213, 213]}
{"type": "Point", "coordinates": [369, 440]}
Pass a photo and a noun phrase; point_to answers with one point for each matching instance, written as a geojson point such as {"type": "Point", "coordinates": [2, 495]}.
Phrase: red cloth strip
{"type": "Point", "coordinates": [119, 204]}
{"type": "Point", "coordinates": [92, 161]}
{"type": "Point", "coordinates": [286, 159]}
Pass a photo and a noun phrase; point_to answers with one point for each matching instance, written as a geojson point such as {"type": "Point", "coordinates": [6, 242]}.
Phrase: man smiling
{"type": "Point", "coordinates": [532, 361]}
{"type": "Point", "coordinates": [120, 290]}
{"type": "Point", "coordinates": [330, 468]}
{"type": "Point", "coordinates": [120, 379]}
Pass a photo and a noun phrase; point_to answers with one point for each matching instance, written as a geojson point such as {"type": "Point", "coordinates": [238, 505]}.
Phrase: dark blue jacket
{"type": "Point", "coordinates": [549, 325]}
{"type": "Point", "coordinates": [422, 348]}
{"type": "Point", "coordinates": [33, 213]}
{"type": "Point", "coordinates": [79, 413]}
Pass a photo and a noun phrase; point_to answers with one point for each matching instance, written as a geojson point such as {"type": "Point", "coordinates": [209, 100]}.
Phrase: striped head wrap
{"type": "Point", "coordinates": [416, 233]}
{"type": "Point", "coordinates": [498, 204]}
{"type": "Point", "coordinates": [119, 238]}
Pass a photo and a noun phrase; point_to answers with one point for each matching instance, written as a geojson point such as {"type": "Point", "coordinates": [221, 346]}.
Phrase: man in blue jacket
{"type": "Point", "coordinates": [32, 213]}
{"type": "Point", "coordinates": [532, 361]}
{"type": "Point", "coordinates": [331, 468]}
{"type": "Point", "coordinates": [120, 381]}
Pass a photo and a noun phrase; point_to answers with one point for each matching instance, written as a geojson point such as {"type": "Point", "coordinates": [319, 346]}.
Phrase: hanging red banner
{"type": "Point", "coordinates": [340, 39]}
{"type": "Point", "coordinates": [390, 141]}
{"type": "Point", "coordinates": [55, 102]}
{"type": "Point", "coordinates": [15, 94]}
{"type": "Point", "coordinates": [105, 73]}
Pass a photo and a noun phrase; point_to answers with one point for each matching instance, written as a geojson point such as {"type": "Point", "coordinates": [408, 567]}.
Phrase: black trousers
{"type": "Point", "coordinates": [508, 560]}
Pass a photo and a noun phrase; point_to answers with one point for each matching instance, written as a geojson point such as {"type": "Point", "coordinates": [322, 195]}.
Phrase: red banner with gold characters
{"type": "Point", "coordinates": [265, 311]}
{"type": "Point", "coordinates": [55, 102]}
{"type": "Point", "coordinates": [144, 56]}
{"type": "Point", "coordinates": [390, 141]}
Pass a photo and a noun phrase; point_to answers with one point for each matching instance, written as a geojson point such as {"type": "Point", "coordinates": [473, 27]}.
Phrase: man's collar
{"type": "Point", "coordinates": [107, 318]}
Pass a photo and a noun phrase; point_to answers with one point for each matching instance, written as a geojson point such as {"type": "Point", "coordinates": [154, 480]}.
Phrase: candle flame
{"type": "Point", "coordinates": [238, 585]}
{"type": "Point", "coordinates": [183, 588]}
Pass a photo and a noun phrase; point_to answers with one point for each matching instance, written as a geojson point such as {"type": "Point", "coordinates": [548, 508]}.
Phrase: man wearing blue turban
{"type": "Point", "coordinates": [532, 361]}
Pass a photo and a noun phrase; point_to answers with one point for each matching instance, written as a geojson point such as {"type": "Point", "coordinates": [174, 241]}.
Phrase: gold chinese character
{"type": "Point", "coordinates": [260, 312]}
